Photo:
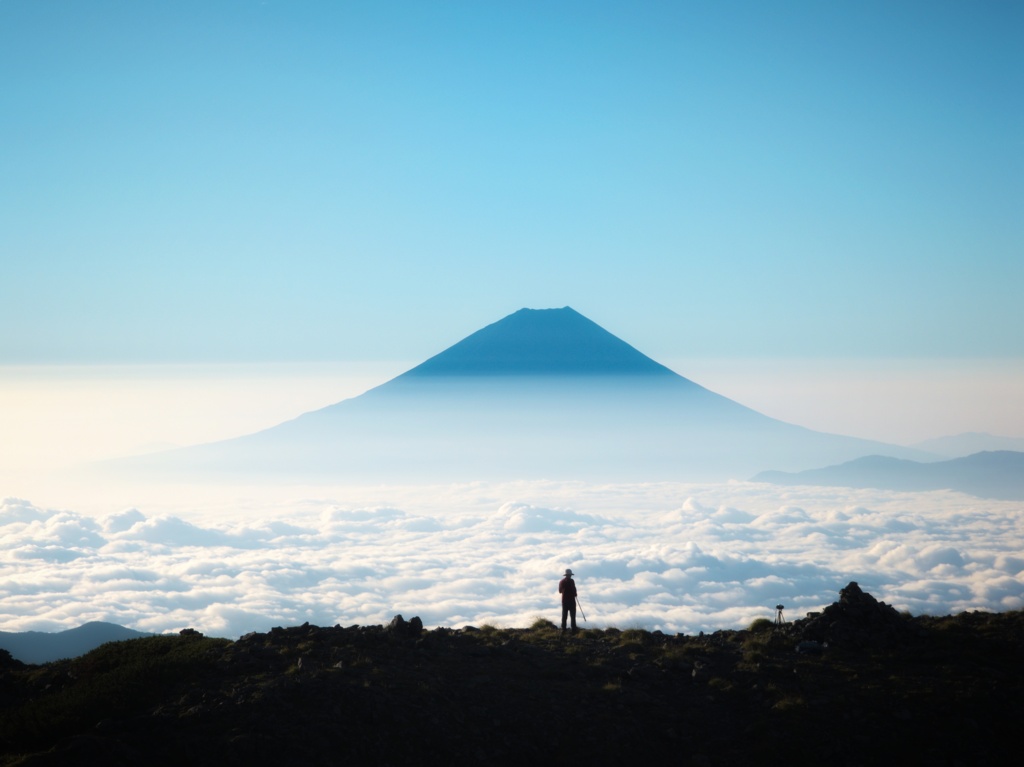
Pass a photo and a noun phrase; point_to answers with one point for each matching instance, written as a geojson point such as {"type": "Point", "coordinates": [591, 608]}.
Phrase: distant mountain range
{"type": "Point", "coordinates": [960, 445]}
{"type": "Point", "coordinates": [545, 394]}
{"type": "Point", "coordinates": [997, 474]}
{"type": "Point", "coordinates": [43, 647]}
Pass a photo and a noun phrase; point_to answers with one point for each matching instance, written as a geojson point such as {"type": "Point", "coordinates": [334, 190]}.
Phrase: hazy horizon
{"type": "Point", "coordinates": [60, 415]}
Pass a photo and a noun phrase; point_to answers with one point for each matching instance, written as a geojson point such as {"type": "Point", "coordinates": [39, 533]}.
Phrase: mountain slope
{"type": "Point", "coordinates": [877, 693]}
{"type": "Point", "coordinates": [996, 474]}
{"type": "Point", "coordinates": [539, 394]}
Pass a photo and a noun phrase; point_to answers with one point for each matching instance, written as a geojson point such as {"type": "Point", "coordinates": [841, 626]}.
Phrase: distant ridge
{"type": "Point", "coordinates": [969, 443]}
{"type": "Point", "coordinates": [43, 647]}
{"type": "Point", "coordinates": [540, 342]}
{"type": "Point", "coordinates": [996, 474]}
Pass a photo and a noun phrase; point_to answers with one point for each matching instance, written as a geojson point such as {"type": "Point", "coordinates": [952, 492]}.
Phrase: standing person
{"type": "Point", "coordinates": [567, 588]}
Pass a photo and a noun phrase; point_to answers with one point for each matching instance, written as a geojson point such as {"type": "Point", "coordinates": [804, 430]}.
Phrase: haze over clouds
{"type": "Point", "coordinates": [680, 558]}
{"type": "Point", "coordinates": [56, 416]}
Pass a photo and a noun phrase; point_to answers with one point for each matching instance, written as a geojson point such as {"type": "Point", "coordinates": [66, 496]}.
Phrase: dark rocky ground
{"type": "Point", "coordinates": [858, 684]}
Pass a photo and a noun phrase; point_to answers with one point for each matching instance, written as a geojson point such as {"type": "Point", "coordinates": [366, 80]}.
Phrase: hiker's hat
{"type": "Point", "coordinates": [568, 571]}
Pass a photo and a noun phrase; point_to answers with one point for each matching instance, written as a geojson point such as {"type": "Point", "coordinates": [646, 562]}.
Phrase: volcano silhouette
{"type": "Point", "coordinates": [540, 342]}
{"type": "Point", "coordinates": [539, 394]}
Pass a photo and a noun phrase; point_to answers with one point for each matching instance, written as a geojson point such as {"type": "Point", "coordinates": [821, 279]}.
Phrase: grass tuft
{"type": "Point", "coordinates": [761, 626]}
{"type": "Point", "coordinates": [542, 624]}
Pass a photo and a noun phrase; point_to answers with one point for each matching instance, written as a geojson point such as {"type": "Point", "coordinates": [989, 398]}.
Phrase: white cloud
{"type": "Point", "coordinates": [680, 558]}
{"type": "Point", "coordinates": [125, 520]}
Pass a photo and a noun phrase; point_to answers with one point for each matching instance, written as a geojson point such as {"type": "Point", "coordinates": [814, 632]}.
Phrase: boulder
{"type": "Point", "coordinates": [856, 620]}
{"type": "Point", "coordinates": [400, 627]}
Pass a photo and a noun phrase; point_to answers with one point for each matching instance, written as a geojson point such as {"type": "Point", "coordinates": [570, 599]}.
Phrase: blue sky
{"type": "Point", "coordinates": [274, 181]}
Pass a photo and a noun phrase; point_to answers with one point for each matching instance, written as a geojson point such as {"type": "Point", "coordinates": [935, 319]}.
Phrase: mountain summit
{"type": "Point", "coordinates": [539, 394]}
{"type": "Point", "coordinates": [540, 342]}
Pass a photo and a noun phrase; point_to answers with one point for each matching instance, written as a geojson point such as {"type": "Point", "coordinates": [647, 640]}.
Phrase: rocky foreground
{"type": "Point", "coordinates": [857, 684]}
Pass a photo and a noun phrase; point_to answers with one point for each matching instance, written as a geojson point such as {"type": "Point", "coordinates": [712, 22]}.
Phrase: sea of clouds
{"type": "Point", "coordinates": [679, 558]}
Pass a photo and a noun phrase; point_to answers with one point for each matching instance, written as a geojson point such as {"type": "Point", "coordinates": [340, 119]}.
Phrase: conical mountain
{"type": "Point", "coordinates": [539, 394]}
{"type": "Point", "coordinates": [541, 342]}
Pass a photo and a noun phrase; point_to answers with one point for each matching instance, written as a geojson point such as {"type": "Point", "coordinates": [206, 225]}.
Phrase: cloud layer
{"type": "Point", "coordinates": [679, 558]}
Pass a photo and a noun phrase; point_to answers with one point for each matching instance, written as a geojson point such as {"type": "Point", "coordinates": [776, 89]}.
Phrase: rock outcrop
{"type": "Point", "coordinates": [856, 620]}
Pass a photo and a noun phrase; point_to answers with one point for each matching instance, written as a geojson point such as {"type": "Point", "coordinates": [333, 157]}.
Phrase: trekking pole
{"type": "Point", "coordinates": [581, 608]}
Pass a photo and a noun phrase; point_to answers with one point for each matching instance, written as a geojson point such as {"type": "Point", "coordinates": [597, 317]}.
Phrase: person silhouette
{"type": "Point", "coordinates": [567, 588]}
